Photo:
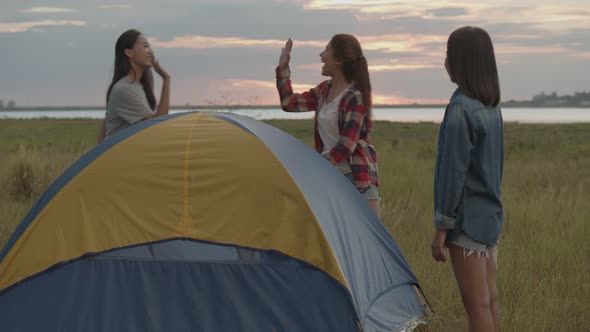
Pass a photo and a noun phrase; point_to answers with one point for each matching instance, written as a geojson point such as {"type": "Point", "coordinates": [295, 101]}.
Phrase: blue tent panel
{"type": "Point", "coordinates": [105, 293]}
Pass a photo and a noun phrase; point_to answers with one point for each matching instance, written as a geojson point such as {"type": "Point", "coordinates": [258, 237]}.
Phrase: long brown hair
{"type": "Point", "coordinates": [123, 66]}
{"type": "Point", "coordinates": [347, 49]}
{"type": "Point", "coordinates": [472, 63]}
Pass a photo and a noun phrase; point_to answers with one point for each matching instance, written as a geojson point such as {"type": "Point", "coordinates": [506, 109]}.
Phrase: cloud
{"type": "Point", "coordinates": [447, 12]}
{"type": "Point", "coordinates": [268, 94]}
{"type": "Point", "coordinates": [549, 17]}
{"type": "Point", "coordinates": [545, 18]}
{"type": "Point", "coordinates": [517, 36]}
{"type": "Point", "coordinates": [267, 84]}
{"type": "Point", "coordinates": [582, 55]}
{"type": "Point", "coordinates": [234, 91]}
{"type": "Point", "coordinates": [400, 66]}
{"type": "Point", "coordinates": [392, 65]}
{"type": "Point", "coordinates": [206, 42]}
{"type": "Point", "coordinates": [401, 43]}
{"type": "Point", "coordinates": [511, 49]}
{"type": "Point", "coordinates": [389, 99]}
{"type": "Point", "coordinates": [13, 27]}
{"type": "Point", "coordinates": [48, 10]}
{"type": "Point", "coordinates": [361, 5]}
{"type": "Point", "coordinates": [393, 8]}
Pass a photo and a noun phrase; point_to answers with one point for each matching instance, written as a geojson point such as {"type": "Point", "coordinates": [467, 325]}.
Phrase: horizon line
{"type": "Point", "coordinates": [526, 103]}
{"type": "Point", "coordinates": [201, 106]}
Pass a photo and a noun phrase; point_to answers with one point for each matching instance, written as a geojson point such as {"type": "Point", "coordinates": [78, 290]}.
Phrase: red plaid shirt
{"type": "Point", "coordinates": [354, 144]}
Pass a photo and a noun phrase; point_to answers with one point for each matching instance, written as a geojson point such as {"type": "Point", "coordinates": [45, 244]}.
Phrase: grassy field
{"type": "Point", "coordinates": [544, 256]}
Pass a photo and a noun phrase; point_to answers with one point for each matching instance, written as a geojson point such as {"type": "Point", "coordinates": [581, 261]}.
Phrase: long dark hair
{"type": "Point", "coordinates": [347, 49]}
{"type": "Point", "coordinates": [472, 63]}
{"type": "Point", "coordinates": [123, 66]}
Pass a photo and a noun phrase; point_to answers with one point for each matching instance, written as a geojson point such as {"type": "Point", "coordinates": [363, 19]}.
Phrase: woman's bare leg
{"type": "Point", "coordinates": [471, 275]}
{"type": "Point", "coordinates": [374, 203]}
{"type": "Point", "coordinates": [492, 290]}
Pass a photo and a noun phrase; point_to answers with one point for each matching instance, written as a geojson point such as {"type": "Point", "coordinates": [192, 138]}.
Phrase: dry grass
{"type": "Point", "coordinates": [544, 252]}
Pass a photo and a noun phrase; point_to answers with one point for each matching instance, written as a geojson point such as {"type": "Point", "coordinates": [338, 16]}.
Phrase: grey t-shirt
{"type": "Point", "coordinates": [127, 105]}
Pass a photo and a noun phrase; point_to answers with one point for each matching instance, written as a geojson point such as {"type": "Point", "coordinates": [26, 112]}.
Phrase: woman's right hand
{"type": "Point", "coordinates": [285, 55]}
{"type": "Point", "coordinates": [160, 70]}
{"type": "Point", "coordinates": [438, 246]}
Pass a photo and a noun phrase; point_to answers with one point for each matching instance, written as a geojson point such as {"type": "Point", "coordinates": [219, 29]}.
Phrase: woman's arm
{"type": "Point", "coordinates": [455, 146]}
{"type": "Point", "coordinates": [457, 141]}
{"type": "Point", "coordinates": [293, 102]}
{"type": "Point", "coordinates": [102, 131]}
{"type": "Point", "coordinates": [164, 105]}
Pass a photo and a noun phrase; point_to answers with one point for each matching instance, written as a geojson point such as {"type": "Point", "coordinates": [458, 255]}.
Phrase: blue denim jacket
{"type": "Point", "coordinates": [468, 170]}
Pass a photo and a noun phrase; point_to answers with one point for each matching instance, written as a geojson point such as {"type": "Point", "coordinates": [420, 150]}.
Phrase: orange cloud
{"type": "Point", "coordinates": [397, 67]}
{"type": "Point", "coordinates": [259, 92]}
{"type": "Point", "coordinates": [429, 47]}
{"type": "Point", "coordinates": [268, 84]}
{"type": "Point", "coordinates": [399, 100]}
{"type": "Point", "coordinates": [399, 43]}
{"type": "Point", "coordinates": [417, 63]}
{"type": "Point", "coordinates": [206, 42]}
{"type": "Point", "coordinates": [388, 100]}
{"type": "Point", "coordinates": [25, 26]}
{"type": "Point", "coordinates": [402, 43]}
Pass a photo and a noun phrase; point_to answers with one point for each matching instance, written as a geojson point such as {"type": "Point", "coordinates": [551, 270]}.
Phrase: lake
{"type": "Point", "coordinates": [522, 115]}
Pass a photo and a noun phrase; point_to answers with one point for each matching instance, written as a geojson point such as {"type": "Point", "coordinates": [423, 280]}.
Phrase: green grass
{"type": "Point", "coordinates": [543, 266]}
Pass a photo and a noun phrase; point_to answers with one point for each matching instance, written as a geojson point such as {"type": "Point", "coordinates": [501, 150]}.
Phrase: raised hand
{"type": "Point", "coordinates": [285, 55]}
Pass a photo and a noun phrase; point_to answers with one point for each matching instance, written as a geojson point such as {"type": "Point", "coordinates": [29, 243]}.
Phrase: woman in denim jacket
{"type": "Point", "coordinates": [468, 175]}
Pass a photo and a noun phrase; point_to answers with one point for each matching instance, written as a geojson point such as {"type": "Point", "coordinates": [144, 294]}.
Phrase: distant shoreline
{"type": "Point", "coordinates": [230, 107]}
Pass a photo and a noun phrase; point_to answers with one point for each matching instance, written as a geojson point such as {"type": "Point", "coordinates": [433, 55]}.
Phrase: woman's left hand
{"type": "Point", "coordinates": [285, 55]}
{"type": "Point", "coordinates": [438, 246]}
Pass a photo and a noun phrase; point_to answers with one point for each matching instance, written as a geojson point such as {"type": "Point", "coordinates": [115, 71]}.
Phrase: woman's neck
{"type": "Point", "coordinates": [339, 82]}
{"type": "Point", "coordinates": [135, 73]}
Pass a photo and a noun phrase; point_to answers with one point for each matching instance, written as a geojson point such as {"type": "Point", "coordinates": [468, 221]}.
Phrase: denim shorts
{"type": "Point", "coordinates": [370, 193]}
{"type": "Point", "coordinates": [471, 246]}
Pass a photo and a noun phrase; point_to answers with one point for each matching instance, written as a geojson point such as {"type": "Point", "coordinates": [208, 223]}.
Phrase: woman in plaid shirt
{"type": "Point", "coordinates": [342, 106]}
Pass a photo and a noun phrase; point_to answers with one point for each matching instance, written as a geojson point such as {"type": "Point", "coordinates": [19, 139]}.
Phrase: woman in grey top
{"type": "Point", "coordinates": [130, 96]}
{"type": "Point", "coordinates": [468, 175]}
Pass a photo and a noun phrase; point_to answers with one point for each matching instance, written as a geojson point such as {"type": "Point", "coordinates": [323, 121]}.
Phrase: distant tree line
{"type": "Point", "coordinates": [578, 99]}
{"type": "Point", "coordinates": [11, 105]}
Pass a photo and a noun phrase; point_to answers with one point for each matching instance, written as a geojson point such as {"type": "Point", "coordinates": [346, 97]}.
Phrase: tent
{"type": "Point", "coordinates": [204, 222]}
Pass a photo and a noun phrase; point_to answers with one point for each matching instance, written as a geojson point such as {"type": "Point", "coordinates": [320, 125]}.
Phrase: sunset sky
{"type": "Point", "coordinates": [61, 52]}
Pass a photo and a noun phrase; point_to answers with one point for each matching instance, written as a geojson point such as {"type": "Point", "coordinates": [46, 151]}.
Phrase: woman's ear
{"type": "Point", "coordinates": [128, 52]}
